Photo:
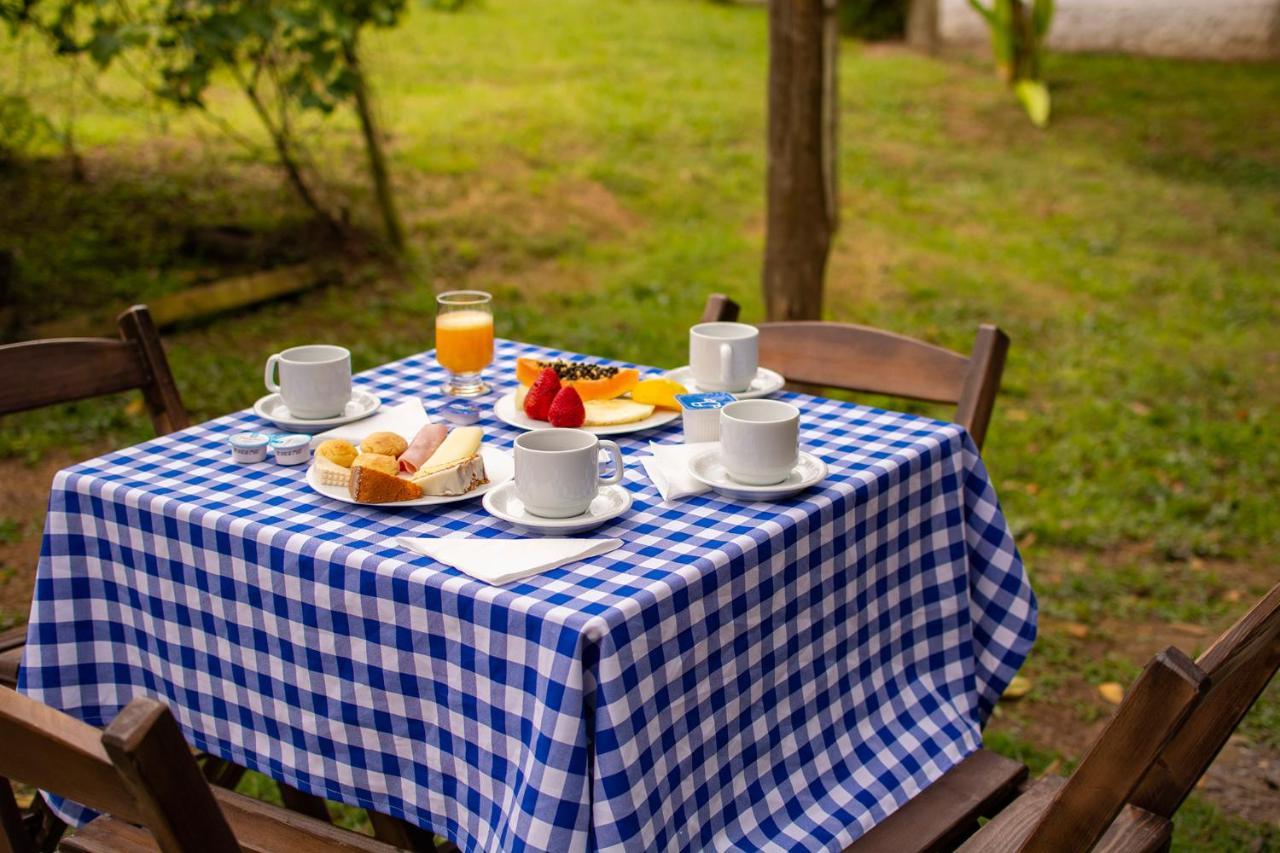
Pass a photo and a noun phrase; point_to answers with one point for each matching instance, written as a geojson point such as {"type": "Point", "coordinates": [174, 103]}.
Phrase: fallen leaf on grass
{"type": "Point", "coordinates": [1017, 688]}
{"type": "Point", "coordinates": [135, 407]}
{"type": "Point", "coordinates": [24, 799]}
{"type": "Point", "coordinates": [1111, 692]}
{"type": "Point", "coordinates": [1077, 630]}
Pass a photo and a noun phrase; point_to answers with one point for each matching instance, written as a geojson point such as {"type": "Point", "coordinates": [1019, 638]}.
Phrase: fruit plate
{"type": "Point", "coordinates": [499, 467]}
{"type": "Point", "coordinates": [507, 412]}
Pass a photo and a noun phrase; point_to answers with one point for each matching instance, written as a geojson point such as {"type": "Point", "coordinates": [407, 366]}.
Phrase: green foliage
{"type": "Point", "coordinates": [873, 20]}
{"type": "Point", "coordinates": [1017, 40]}
{"type": "Point", "coordinates": [20, 126]}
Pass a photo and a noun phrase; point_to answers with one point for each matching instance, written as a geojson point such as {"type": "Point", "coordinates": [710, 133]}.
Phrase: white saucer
{"type": "Point", "coordinates": [499, 467]}
{"type": "Point", "coordinates": [766, 382]}
{"type": "Point", "coordinates": [707, 468]}
{"type": "Point", "coordinates": [506, 411]}
{"type": "Point", "coordinates": [611, 502]}
{"type": "Point", "coordinates": [272, 407]}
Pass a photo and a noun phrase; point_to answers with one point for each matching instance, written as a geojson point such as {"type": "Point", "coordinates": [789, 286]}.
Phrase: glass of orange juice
{"type": "Point", "coordinates": [464, 339]}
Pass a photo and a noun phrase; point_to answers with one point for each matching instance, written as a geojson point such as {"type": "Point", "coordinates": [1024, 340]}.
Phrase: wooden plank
{"type": "Point", "coordinates": [49, 750]}
{"type": "Point", "coordinates": [200, 302]}
{"type": "Point", "coordinates": [10, 661]}
{"type": "Point", "coordinates": [982, 382]}
{"type": "Point", "coordinates": [1240, 664]}
{"type": "Point", "coordinates": [42, 373]}
{"type": "Point", "coordinates": [1162, 697]}
{"type": "Point", "coordinates": [860, 358]}
{"type": "Point", "coordinates": [151, 754]}
{"type": "Point", "coordinates": [941, 815]}
{"type": "Point", "coordinates": [168, 414]}
{"type": "Point", "coordinates": [720, 309]}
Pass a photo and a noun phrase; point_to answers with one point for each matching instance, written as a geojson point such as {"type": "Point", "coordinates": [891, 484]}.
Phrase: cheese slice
{"type": "Point", "coordinates": [330, 473]}
{"type": "Point", "coordinates": [456, 479]}
{"type": "Point", "coordinates": [459, 445]}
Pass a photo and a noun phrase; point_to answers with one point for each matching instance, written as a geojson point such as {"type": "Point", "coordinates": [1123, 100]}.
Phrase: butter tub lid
{"type": "Point", "coordinates": [709, 400]}
{"type": "Point", "coordinates": [248, 440]}
{"type": "Point", "coordinates": [290, 441]}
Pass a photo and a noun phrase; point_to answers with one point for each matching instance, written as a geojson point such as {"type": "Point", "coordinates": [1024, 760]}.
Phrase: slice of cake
{"type": "Point", "coordinates": [368, 486]}
{"type": "Point", "coordinates": [456, 467]}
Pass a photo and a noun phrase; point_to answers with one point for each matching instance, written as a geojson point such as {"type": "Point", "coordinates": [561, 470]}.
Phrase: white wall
{"type": "Point", "coordinates": [1213, 29]}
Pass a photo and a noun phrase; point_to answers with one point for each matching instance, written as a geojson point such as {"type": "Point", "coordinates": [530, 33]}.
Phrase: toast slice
{"type": "Point", "coordinates": [368, 486]}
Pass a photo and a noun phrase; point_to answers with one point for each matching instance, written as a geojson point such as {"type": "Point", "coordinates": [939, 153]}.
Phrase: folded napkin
{"type": "Point", "coordinates": [668, 468]}
{"type": "Point", "coordinates": [500, 561]}
{"type": "Point", "coordinates": [404, 419]}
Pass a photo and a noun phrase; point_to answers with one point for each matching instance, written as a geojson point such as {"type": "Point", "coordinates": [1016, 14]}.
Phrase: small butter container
{"type": "Point", "coordinates": [291, 449]}
{"type": "Point", "coordinates": [460, 413]}
{"type": "Point", "coordinates": [248, 447]}
{"type": "Point", "coordinates": [702, 415]}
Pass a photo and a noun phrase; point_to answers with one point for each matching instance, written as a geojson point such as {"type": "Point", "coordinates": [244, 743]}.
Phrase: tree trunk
{"type": "Point", "coordinates": [803, 202]}
{"type": "Point", "coordinates": [922, 25]}
{"type": "Point", "coordinates": [373, 146]}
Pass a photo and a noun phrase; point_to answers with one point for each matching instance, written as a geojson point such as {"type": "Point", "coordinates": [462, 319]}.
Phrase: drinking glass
{"type": "Point", "coordinates": [464, 340]}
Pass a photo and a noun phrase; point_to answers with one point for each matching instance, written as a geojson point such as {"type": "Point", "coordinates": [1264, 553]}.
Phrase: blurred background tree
{"type": "Point", "coordinates": [283, 57]}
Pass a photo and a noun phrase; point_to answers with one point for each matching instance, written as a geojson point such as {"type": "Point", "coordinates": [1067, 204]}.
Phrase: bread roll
{"type": "Point", "coordinates": [386, 443]}
{"type": "Point", "coordinates": [338, 451]}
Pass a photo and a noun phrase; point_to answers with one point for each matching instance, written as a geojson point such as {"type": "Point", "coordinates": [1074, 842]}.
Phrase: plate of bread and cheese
{"type": "Point", "coordinates": [437, 465]}
{"type": "Point", "coordinates": [599, 398]}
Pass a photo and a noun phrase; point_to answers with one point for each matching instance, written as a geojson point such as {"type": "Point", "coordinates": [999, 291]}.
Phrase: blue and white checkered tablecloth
{"type": "Point", "coordinates": [736, 676]}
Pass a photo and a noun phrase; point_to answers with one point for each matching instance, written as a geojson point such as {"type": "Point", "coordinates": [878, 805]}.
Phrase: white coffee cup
{"type": "Point", "coordinates": [759, 441]}
{"type": "Point", "coordinates": [315, 380]}
{"type": "Point", "coordinates": [558, 470]}
{"type": "Point", "coordinates": [724, 356]}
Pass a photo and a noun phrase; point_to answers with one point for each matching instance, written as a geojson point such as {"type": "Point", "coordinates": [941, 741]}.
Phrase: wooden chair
{"type": "Point", "coordinates": [1128, 787]}
{"type": "Point", "coordinates": [860, 358]}
{"type": "Point", "coordinates": [140, 773]}
{"type": "Point", "coordinates": [60, 370]}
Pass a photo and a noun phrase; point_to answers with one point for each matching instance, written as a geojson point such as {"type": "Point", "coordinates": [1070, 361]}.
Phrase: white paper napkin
{"type": "Point", "coordinates": [501, 561]}
{"type": "Point", "coordinates": [668, 468]}
{"type": "Point", "coordinates": [404, 419]}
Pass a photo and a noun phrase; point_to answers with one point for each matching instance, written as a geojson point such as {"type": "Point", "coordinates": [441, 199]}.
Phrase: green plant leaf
{"type": "Point", "coordinates": [988, 15]}
{"type": "Point", "coordinates": [1041, 18]}
{"type": "Point", "coordinates": [1034, 95]}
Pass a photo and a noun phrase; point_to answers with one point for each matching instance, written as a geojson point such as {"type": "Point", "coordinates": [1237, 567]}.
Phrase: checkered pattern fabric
{"type": "Point", "coordinates": [736, 676]}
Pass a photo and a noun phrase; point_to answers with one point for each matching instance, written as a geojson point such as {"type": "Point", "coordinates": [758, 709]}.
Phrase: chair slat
{"type": "Point", "coordinates": [1240, 664]}
{"type": "Point", "coordinates": [860, 358]}
{"type": "Point", "coordinates": [43, 373]}
{"type": "Point", "coordinates": [942, 814]}
{"type": "Point", "coordinates": [151, 754]}
{"type": "Point", "coordinates": [720, 309]}
{"type": "Point", "coordinates": [49, 750]}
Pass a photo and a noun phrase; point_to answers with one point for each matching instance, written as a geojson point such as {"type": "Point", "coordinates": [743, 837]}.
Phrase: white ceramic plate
{"type": "Point", "coordinates": [507, 412]}
{"type": "Point", "coordinates": [361, 405]}
{"type": "Point", "coordinates": [766, 382]}
{"type": "Point", "coordinates": [706, 467]}
{"type": "Point", "coordinates": [611, 502]}
{"type": "Point", "coordinates": [499, 467]}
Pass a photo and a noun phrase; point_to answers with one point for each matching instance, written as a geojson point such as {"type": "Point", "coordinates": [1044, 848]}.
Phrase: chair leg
{"type": "Point", "coordinates": [37, 830]}
{"type": "Point", "coordinates": [221, 773]}
{"type": "Point", "coordinates": [406, 836]}
{"type": "Point", "coordinates": [303, 803]}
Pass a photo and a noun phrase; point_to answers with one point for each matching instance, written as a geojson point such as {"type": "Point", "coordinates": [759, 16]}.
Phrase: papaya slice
{"type": "Point", "coordinates": [592, 381]}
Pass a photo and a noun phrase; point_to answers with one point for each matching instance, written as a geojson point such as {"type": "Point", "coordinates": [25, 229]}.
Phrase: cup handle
{"type": "Point", "coordinates": [268, 376]}
{"type": "Point", "coordinates": [726, 363]}
{"type": "Point", "coordinates": [616, 453]}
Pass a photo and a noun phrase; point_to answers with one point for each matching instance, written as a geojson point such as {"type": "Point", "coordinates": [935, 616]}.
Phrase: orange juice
{"type": "Point", "coordinates": [464, 340]}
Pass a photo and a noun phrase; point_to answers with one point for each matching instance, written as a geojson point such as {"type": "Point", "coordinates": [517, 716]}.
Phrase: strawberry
{"type": "Point", "coordinates": [567, 409]}
{"type": "Point", "coordinates": [537, 403]}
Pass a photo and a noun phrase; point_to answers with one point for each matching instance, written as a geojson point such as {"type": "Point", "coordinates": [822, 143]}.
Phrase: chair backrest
{"type": "Point", "coordinates": [139, 770]}
{"type": "Point", "coordinates": [1240, 664]}
{"type": "Point", "coordinates": [60, 370]}
{"type": "Point", "coordinates": [1156, 705]}
{"type": "Point", "coordinates": [860, 358]}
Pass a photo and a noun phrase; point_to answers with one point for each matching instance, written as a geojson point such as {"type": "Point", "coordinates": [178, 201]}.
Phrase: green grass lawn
{"type": "Point", "coordinates": [599, 166]}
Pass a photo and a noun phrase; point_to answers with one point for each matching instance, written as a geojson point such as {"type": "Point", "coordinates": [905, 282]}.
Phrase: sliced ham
{"type": "Point", "coordinates": [423, 445]}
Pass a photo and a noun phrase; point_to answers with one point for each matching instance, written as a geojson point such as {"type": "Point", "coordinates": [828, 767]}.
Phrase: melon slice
{"type": "Point", "coordinates": [614, 412]}
{"type": "Point", "coordinates": [591, 380]}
